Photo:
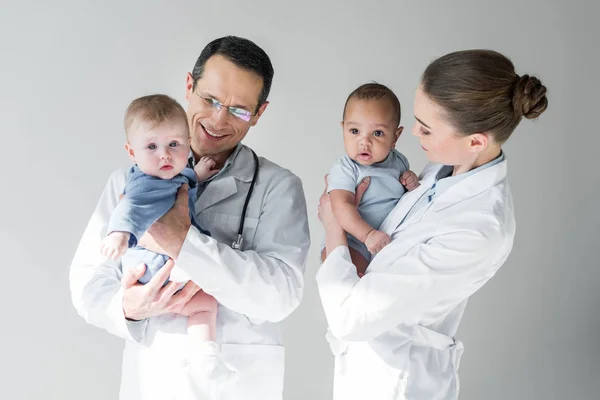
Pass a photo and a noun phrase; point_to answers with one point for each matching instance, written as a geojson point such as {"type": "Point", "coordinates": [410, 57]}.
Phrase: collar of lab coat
{"type": "Point", "coordinates": [466, 188]}
{"type": "Point", "coordinates": [470, 186]}
{"type": "Point", "coordinates": [240, 164]}
{"type": "Point", "coordinates": [236, 169]}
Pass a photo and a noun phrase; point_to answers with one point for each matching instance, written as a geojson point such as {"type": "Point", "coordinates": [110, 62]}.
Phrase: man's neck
{"type": "Point", "coordinates": [219, 158]}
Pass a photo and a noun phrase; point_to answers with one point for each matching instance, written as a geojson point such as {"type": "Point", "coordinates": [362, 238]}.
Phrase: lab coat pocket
{"type": "Point", "coordinates": [361, 374]}
{"type": "Point", "coordinates": [260, 371]}
{"type": "Point", "coordinates": [435, 359]}
{"type": "Point", "coordinates": [224, 227]}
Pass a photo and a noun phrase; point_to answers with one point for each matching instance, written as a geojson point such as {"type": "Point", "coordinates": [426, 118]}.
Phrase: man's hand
{"type": "Point", "coordinates": [376, 240]}
{"type": "Point", "coordinates": [409, 180]}
{"type": "Point", "coordinates": [166, 236]}
{"type": "Point", "coordinates": [152, 299]}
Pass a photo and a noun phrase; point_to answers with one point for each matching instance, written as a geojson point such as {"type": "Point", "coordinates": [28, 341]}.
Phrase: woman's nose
{"type": "Point", "coordinates": [415, 131]}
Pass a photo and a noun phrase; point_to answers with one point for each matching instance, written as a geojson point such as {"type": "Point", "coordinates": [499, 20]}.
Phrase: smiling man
{"type": "Point", "coordinates": [257, 281]}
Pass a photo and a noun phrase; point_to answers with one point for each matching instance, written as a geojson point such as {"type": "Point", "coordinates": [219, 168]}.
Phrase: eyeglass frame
{"type": "Point", "coordinates": [217, 105]}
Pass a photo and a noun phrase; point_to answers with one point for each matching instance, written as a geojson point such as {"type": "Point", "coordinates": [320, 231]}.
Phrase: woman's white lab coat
{"type": "Point", "coordinates": [392, 331]}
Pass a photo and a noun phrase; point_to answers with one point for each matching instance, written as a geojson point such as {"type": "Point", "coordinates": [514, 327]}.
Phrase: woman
{"type": "Point", "coordinates": [393, 330]}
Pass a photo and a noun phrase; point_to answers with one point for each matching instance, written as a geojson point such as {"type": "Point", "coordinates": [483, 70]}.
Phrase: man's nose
{"type": "Point", "coordinates": [219, 117]}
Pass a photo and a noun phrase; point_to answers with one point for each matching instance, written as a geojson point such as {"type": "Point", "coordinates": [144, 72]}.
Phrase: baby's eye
{"type": "Point", "coordinates": [378, 133]}
{"type": "Point", "coordinates": [152, 146]}
{"type": "Point", "coordinates": [173, 144]}
{"type": "Point", "coordinates": [354, 131]}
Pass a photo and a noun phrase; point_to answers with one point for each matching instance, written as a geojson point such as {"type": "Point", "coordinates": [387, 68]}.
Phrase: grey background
{"type": "Point", "coordinates": [69, 69]}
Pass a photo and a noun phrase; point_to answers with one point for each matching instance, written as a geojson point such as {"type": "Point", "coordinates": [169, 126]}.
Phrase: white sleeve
{"type": "Point", "coordinates": [95, 281]}
{"type": "Point", "coordinates": [402, 290]}
{"type": "Point", "coordinates": [265, 283]}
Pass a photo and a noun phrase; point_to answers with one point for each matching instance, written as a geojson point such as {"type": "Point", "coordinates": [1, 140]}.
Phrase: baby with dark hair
{"type": "Point", "coordinates": [371, 128]}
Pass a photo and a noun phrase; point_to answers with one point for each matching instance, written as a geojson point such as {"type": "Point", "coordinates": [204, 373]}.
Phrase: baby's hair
{"type": "Point", "coordinates": [375, 91]}
{"type": "Point", "coordinates": [154, 109]}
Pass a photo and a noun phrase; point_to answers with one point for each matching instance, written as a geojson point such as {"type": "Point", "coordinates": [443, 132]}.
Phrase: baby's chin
{"type": "Point", "coordinates": [366, 161]}
{"type": "Point", "coordinates": [163, 174]}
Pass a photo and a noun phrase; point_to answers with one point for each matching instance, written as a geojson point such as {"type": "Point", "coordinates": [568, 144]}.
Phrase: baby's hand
{"type": "Point", "coordinates": [376, 240]}
{"type": "Point", "coordinates": [114, 245]}
{"type": "Point", "coordinates": [409, 180]}
{"type": "Point", "coordinates": [204, 168]}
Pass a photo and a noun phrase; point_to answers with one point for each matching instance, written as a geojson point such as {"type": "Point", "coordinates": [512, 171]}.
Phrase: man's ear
{"type": "Point", "coordinates": [189, 86]}
{"type": "Point", "coordinates": [258, 114]}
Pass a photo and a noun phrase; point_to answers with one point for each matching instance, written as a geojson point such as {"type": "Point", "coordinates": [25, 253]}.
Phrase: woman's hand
{"type": "Point", "coordinates": [325, 212]}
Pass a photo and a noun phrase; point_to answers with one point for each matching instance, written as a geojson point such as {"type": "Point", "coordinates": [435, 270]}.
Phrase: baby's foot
{"type": "Point", "coordinates": [211, 368]}
{"type": "Point", "coordinates": [114, 245]}
{"type": "Point", "coordinates": [208, 364]}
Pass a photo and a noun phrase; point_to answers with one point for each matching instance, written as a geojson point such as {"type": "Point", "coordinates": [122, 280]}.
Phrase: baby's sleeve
{"type": "Point", "coordinates": [404, 164]}
{"type": "Point", "coordinates": [343, 176]}
{"type": "Point", "coordinates": [146, 200]}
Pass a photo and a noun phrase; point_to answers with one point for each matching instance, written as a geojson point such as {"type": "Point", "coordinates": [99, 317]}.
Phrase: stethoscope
{"type": "Point", "coordinates": [237, 245]}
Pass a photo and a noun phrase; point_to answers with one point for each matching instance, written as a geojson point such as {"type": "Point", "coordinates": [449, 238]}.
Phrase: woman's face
{"type": "Point", "coordinates": [440, 140]}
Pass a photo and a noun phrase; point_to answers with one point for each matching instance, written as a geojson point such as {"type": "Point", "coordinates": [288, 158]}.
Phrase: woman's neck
{"type": "Point", "coordinates": [489, 154]}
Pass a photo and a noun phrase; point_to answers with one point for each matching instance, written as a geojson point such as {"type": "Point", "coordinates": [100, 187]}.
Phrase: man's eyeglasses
{"type": "Point", "coordinates": [237, 112]}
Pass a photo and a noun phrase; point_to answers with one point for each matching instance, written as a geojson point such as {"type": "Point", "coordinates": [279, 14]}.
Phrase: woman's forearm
{"type": "Point", "coordinates": [334, 237]}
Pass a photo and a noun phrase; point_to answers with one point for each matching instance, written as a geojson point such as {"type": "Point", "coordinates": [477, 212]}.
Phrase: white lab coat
{"type": "Point", "coordinates": [392, 331]}
{"type": "Point", "coordinates": [256, 288]}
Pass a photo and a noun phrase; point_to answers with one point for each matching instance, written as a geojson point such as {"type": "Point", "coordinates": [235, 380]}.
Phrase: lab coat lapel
{"type": "Point", "coordinates": [466, 188]}
{"type": "Point", "coordinates": [239, 172]}
{"type": "Point", "coordinates": [215, 192]}
{"type": "Point", "coordinates": [405, 204]}
{"type": "Point", "coordinates": [471, 186]}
